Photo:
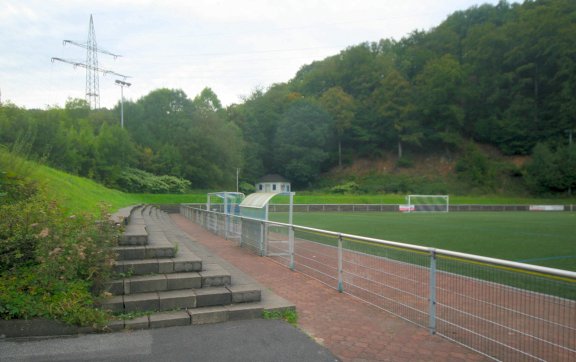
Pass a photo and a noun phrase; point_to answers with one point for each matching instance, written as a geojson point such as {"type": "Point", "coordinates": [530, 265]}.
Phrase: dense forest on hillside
{"type": "Point", "coordinates": [503, 76]}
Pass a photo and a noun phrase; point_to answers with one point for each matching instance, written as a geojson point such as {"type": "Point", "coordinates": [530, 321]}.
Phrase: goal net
{"type": "Point", "coordinates": [427, 203]}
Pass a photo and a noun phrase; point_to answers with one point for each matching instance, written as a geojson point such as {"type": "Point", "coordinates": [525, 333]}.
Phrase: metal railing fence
{"type": "Point", "coordinates": [384, 207]}
{"type": "Point", "coordinates": [504, 310]}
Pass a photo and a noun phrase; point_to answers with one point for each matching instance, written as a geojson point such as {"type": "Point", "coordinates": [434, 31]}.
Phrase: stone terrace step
{"type": "Point", "coordinates": [144, 252]}
{"type": "Point", "coordinates": [194, 317]}
{"type": "Point", "coordinates": [155, 283]}
{"type": "Point", "coordinates": [182, 299]}
{"type": "Point", "coordinates": [157, 246]}
{"type": "Point", "coordinates": [212, 276]}
{"type": "Point", "coordinates": [135, 234]}
{"type": "Point", "coordinates": [122, 216]}
{"type": "Point", "coordinates": [185, 261]}
{"type": "Point", "coordinates": [136, 215]}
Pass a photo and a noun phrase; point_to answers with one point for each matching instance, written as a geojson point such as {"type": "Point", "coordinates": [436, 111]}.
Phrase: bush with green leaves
{"type": "Point", "coordinates": [350, 187]}
{"type": "Point", "coordinates": [476, 168]}
{"type": "Point", "coordinates": [138, 181]}
{"type": "Point", "coordinates": [52, 264]}
{"type": "Point", "coordinates": [552, 171]}
{"type": "Point", "coordinates": [247, 188]}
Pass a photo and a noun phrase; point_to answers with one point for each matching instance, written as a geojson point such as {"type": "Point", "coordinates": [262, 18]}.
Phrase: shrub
{"type": "Point", "coordinates": [551, 171]}
{"type": "Point", "coordinates": [26, 294]}
{"type": "Point", "coordinates": [138, 181]}
{"type": "Point", "coordinates": [51, 264]}
{"type": "Point", "coordinates": [19, 234]}
{"type": "Point", "coordinates": [350, 187]}
{"type": "Point", "coordinates": [247, 188]}
{"type": "Point", "coordinates": [476, 168]}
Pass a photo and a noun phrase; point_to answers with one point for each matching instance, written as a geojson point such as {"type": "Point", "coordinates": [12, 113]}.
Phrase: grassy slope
{"type": "Point", "coordinates": [79, 194]}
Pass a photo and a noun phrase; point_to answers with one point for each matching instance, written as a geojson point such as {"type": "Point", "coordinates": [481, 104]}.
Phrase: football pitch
{"type": "Point", "coordinates": [540, 238]}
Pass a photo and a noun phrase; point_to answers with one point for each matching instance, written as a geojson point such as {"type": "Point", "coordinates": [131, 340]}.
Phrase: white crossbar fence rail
{"type": "Point", "coordinates": [505, 310]}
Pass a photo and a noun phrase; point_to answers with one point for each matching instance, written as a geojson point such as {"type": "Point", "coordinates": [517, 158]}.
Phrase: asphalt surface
{"type": "Point", "coordinates": [252, 340]}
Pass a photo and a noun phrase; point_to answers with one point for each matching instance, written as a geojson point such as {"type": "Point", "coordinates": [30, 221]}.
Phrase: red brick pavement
{"type": "Point", "coordinates": [351, 329]}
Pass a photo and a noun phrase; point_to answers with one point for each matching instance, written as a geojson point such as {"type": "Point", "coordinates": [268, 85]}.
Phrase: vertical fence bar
{"type": "Point", "coordinates": [340, 269]}
{"type": "Point", "coordinates": [262, 238]}
{"type": "Point", "coordinates": [291, 246]}
{"type": "Point", "coordinates": [432, 301]}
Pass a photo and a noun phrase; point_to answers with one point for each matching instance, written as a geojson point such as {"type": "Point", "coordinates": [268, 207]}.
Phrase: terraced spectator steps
{"type": "Point", "coordinates": [156, 274]}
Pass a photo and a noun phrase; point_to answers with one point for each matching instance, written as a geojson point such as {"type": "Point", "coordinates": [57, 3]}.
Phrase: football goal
{"type": "Point", "coordinates": [427, 203]}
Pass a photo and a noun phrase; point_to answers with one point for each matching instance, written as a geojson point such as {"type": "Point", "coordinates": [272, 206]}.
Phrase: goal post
{"type": "Point", "coordinates": [427, 203]}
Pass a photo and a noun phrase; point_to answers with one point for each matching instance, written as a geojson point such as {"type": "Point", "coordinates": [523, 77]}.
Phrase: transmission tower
{"type": "Point", "coordinates": [92, 83]}
{"type": "Point", "coordinates": [91, 66]}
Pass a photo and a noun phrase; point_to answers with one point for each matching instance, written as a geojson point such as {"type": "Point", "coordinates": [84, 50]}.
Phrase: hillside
{"type": "Point", "coordinates": [493, 76]}
{"type": "Point", "coordinates": [488, 172]}
{"type": "Point", "coordinates": [78, 193]}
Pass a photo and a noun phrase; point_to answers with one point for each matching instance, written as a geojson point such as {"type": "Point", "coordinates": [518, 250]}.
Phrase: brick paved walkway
{"type": "Point", "coordinates": [352, 330]}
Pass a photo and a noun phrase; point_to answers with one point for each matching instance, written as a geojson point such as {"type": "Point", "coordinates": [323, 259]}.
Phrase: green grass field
{"type": "Point", "coordinates": [547, 239]}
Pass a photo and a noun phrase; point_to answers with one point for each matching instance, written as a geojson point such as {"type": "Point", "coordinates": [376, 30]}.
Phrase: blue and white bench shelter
{"type": "Point", "coordinates": [255, 226]}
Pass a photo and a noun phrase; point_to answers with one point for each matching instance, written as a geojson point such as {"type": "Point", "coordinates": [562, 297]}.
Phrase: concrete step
{"type": "Point", "coordinates": [134, 234]}
{"type": "Point", "coordinates": [144, 252]}
{"type": "Point", "coordinates": [182, 299]}
{"type": "Point", "coordinates": [155, 283]}
{"type": "Point", "coordinates": [136, 217]}
{"type": "Point", "coordinates": [212, 276]}
{"type": "Point", "coordinates": [196, 316]}
{"type": "Point", "coordinates": [184, 261]}
{"type": "Point", "coordinates": [122, 216]}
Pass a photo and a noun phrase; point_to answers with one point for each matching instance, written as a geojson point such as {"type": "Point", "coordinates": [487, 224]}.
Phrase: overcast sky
{"type": "Point", "coordinates": [230, 46]}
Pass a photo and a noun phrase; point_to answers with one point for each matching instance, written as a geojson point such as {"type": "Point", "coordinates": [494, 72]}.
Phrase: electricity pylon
{"type": "Point", "coordinates": [91, 66]}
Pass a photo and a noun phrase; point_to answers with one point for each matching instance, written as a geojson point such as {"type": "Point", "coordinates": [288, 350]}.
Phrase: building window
{"type": "Point", "coordinates": [273, 187]}
{"type": "Point", "coordinates": [260, 187]}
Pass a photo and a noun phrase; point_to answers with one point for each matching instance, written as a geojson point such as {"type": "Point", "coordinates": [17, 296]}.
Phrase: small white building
{"type": "Point", "coordinates": [273, 183]}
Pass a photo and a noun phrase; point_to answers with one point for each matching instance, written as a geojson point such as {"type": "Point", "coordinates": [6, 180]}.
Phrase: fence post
{"type": "Point", "coordinates": [241, 230]}
{"type": "Point", "coordinates": [291, 246]}
{"type": "Point", "coordinates": [340, 271]}
{"type": "Point", "coordinates": [261, 238]}
{"type": "Point", "coordinates": [432, 300]}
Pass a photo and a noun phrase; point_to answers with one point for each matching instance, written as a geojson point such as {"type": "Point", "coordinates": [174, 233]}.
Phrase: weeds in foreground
{"type": "Point", "coordinates": [288, 315]}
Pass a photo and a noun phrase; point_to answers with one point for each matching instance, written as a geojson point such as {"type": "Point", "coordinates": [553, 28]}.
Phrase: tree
{"type": "Point", "coordinates": [439, 100]}
{"type": "Point", "coordinates": [114, 151]}
{"type": "Point", "coordinates": [394, 105]}
{"type": "Point", "coordinates": [259, 118]}
{"type": "Point", "coordinates": [552, 171]}
{"type": "Point", "coordinates": [77, 108]}
{"type": "Point", "coordinates": [341, 106]}
{"type": "Point", "coordinates": [301, 142]}
{"type": "Point", "coordinates": [207, 101]}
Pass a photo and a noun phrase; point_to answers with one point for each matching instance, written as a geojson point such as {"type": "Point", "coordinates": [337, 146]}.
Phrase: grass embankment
{"type": "Point", "coordinates": [79, 194]}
